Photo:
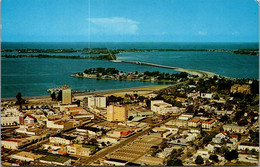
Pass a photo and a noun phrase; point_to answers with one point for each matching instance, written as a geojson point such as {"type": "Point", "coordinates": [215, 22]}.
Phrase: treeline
{"type": "Point", "coordinates": [166, 76]}
{"type": "Point", "coordinates": [111, 71]}
{"type": "Point", "coordinates": [101, 70]}
{"type": "Point", "coordinates": [247, 51]}
{"type": "Point", "coordinates": [71, 50]}
{"type": "Point", "coordinates": [103, 57]}
{"type": "Point", "coordinates": [106, 51]}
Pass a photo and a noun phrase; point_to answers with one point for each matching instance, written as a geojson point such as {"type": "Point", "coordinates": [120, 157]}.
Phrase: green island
{"type": "Point", "coordinates": [147, 76]}
{"type": "Point", "coordinates": [101, 57]}
{"type": "Point", "coordinates": [106, 51]}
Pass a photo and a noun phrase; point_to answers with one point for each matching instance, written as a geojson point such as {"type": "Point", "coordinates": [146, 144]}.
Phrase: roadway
{"type": "Point", "coordinates": [108, 150]}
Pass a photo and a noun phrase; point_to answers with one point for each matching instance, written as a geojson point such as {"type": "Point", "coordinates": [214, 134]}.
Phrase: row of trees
{"type": "Point", "coordinates": [166, 75]}
{"type": "Point", "coordinates": [102, 70]}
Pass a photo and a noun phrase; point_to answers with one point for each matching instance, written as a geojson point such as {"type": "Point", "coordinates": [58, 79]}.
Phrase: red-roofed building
{"type": "Point", "coordinates": [75, 108]}
{"type": "Point", "coordinates": [194, 122]}
{"type": "Point", "coordinates": [221, 135]}
{"type": "Point", "coordinates": [234, 138]}
{"type": "Point", "coordinates": [28, 119]}
{"type": "Point", "coordinates": [209, 124]}
{"type": "Point", "coordinates": [126, 133]}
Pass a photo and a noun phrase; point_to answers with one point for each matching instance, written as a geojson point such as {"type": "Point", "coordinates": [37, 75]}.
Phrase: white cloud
{"type": "Point", "coordinates": [202, 33]}
{"type": "Point", "coordinates": [113, 25]}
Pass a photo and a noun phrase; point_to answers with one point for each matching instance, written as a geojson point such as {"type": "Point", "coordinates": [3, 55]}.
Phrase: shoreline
{"type": "Point", "coordinates": [201, 74]}
{"type": "Point", "coordinates": [101, 92]}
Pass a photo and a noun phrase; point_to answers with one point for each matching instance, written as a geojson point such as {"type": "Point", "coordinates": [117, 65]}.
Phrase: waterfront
{"type": "Point", "coordinates": [33, 76]}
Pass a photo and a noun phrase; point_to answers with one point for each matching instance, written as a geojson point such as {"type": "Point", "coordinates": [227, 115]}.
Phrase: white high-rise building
{"type": "Point", "coordinates": [97, 101]}
{"type": "Point", "coordinates": [66, 95]}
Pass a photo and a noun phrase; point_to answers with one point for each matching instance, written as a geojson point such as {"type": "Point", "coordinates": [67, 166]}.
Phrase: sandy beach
{"type": "Point", "coordinates": [140, 90]}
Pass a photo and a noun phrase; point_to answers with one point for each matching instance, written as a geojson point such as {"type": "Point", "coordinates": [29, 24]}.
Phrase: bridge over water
{"type": "Point", "coordinates": [149, 64]}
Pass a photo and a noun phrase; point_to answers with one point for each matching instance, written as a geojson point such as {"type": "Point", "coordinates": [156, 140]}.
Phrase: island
{"type": "Point", "coordinates": [101, 57]}
{"type": "Point", "coordinates": [147, 76]}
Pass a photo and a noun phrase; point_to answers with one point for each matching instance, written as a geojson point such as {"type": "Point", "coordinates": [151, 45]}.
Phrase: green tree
{"type": "Point", "coordinates": [231, 155]}
{"type": "Point", "coordinates": [176, 162]}
{"type": "Point", "coordinates": [19, 98]}
{"type": "Point", "coordinates": [59, 98]}
{"type": "Point", "coordinates": [213, 157]}
{"type": "Point", "coordinates": [53, 96]}
{"type": "Point", "coordinates": [199, 160]}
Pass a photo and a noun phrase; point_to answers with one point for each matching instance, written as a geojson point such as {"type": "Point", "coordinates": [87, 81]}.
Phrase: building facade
{"type": "Point", "coordinates": [116, 113]}
{"type": "Point", "coordinates": [97, 101]}
{"type": "Point", "coordinates": [66, 95]}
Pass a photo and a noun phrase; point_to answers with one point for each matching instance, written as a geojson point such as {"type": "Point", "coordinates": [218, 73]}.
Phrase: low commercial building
{"type": "Point", "coordinates": [178, 123]}
{"type": "Point", "coordinates": [90, 130]}
{"type": "Point", "coordinates": [78, 149]}
{"type": "Point", "coordinates": [108, 140]}
{"type": "Point", "coordinates": [56, 160]}
{"type": "Point", "coordinates": [161, 107]}
{"type": "Point", "coordinates": [185, 116]}
{"type": "Point", "coordinates": [11, 120]}
{"type": "Point", "coordinates": [26, 156]}
{"type": "Point", "coordinates": [115, 162]}
{"type": "Point", "coordinates": [64, 125]}
{"type": "Point", "coordinates": [62, 140]}
{"type": "Point", "coordinates": [234, 128]}
{"type": "Point", "coordinates": [50, 146]}
{"type": "Point", "coordinates": [115, 133]}
{"type": "Point", "coordinates": [30, 130]}
{"type": "Point", "coordinates": [248, 146]}
{"type": "Point", "coordinates": [12, 143]}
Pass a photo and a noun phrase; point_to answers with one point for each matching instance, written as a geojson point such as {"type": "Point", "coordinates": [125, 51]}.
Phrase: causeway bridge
{"type": "Point", "coordinates": [149, 64]}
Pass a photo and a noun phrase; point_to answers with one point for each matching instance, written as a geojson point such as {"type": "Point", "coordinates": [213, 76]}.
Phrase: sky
{"type": "Point", "coordinates": [129, 21]}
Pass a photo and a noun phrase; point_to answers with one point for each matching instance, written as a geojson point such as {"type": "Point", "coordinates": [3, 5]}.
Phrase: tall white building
{"type": "Point", "coordinates": [66, 95]}
{"type": "Point", "coordinates": [97, 101]}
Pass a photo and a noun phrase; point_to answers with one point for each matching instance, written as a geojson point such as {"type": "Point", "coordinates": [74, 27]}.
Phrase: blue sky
{"type": "Point", "coordinates": [130, 20]}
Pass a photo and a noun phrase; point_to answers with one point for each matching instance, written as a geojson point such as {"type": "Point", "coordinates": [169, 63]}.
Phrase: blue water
{"type": "Point", "coordinates": [33, 76]}
{"type": "Point", "coordinates": [221, 63]}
